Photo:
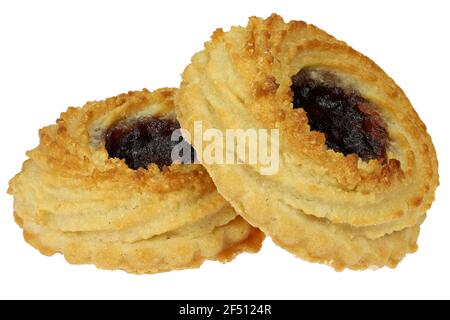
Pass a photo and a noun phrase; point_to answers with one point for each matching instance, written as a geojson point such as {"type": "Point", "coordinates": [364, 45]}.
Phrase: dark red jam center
{"type": "Point", "coordinates": [348, 121]}
{"type": "Point", "coordinates": [143, 141]}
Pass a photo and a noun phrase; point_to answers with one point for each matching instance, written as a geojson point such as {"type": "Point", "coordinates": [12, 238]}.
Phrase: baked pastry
{"type": "Point", "coordinates": [357, 169]}
{"type": "Point", "coordinates": [101, 189]}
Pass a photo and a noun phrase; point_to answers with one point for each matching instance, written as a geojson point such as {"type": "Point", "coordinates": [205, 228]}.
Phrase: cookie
{"type": "Point", "coordinates": [357, 168]}
{"type": "Point", "coordinates": [101, 189]}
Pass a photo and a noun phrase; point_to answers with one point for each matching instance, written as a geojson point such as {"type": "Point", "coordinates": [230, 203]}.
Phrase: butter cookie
{"type": "Point", "coordinates": [357, 169]}
{"type": "Point", "coordinates": [101, 189]}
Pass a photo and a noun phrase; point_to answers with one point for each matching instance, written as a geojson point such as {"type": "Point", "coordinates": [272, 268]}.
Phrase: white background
{"type": "Point", "coordinates": [55, 54]}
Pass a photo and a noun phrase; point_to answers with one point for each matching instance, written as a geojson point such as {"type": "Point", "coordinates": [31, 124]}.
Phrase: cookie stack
{"type": "Point", "coordinates": [356, 170]}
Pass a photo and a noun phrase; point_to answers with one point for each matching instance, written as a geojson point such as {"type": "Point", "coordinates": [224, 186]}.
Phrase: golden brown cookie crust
{"type": "Point", "coordinates": [243, 80]}
{"type": "Point", "coordinates": [167, 252]}
{"type": "Point", "coordinates": [73, 199]}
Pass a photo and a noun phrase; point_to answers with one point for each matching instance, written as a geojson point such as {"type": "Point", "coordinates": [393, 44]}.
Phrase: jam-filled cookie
{"type": "Point", "coordinates": [357, 169]}
{"type": "Point", "coordinates": [101, 189]}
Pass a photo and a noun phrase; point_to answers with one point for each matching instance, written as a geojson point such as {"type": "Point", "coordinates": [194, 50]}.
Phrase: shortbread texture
{"type": "Point", "coordinates": [71, 198]}
{"type": "Point", "coordinates": [322, 206]}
